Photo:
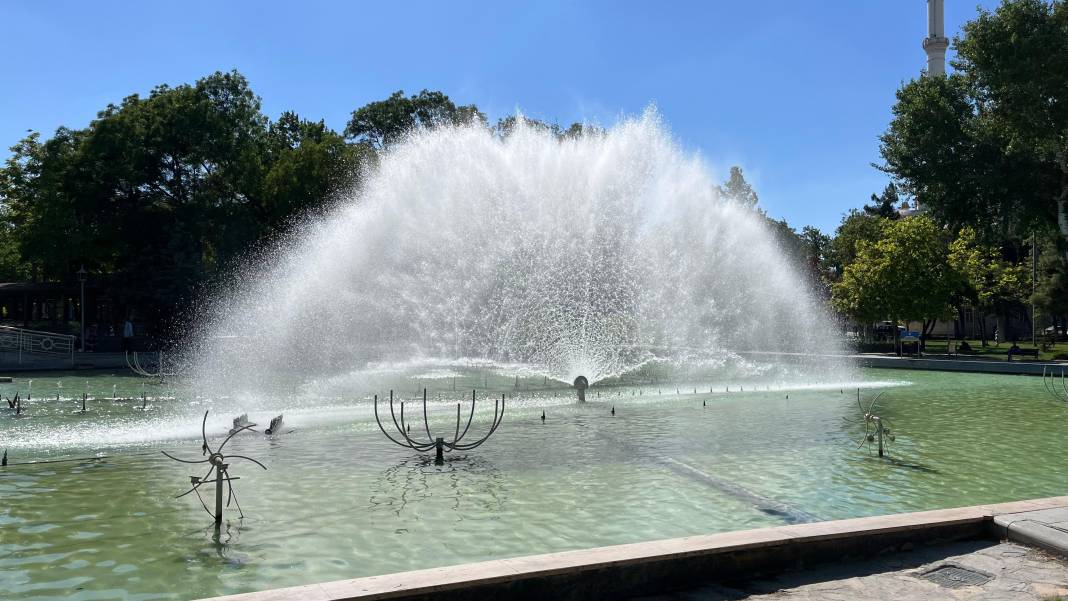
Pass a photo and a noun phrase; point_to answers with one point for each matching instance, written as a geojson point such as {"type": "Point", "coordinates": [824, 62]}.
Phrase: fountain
{"type": "Point", "coordinates": [586, 257]}
{"type": "Point", "coordinates": [581, 384]}
{"type": "Point", "coordinates": [527, 266]}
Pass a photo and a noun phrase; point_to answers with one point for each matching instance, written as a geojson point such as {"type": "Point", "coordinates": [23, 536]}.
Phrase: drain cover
{"type": "Point", "coordinates": [954, 576]}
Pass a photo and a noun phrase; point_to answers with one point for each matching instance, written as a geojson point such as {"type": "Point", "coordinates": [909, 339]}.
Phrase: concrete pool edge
{"type": "Point", "coordinates": [639, 568]}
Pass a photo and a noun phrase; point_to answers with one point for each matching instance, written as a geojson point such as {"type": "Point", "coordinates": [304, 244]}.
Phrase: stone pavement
{"type": "Point", "coordinates": [1011, 572]}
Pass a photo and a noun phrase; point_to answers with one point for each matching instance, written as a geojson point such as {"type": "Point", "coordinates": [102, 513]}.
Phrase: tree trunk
{"type": "Point", "coordinates": [982, 326]}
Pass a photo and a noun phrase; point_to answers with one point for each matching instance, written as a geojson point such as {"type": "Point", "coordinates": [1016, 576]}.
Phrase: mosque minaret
{"type": "Point", "coordinates": [936, 43]}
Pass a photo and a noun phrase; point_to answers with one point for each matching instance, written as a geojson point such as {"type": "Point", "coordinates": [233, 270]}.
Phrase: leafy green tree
{"type": "Point", "coordinates": [902, 276]}
{"type": "Point", "coordinates": [884, 205]}
{"type": "Point", "coordinates": [306, 164]}
{"type": "Point", "coordinates": [856, 227]}
{"type": "Point", "coordinates": [989, 282]}
{"type": "Point", "coordinates": [160, 194]}
{"type": "Point", "coordinates": [737, 190]}
{"type": "Point", "coordinates": [507, 125]}
{"type": "Point", "coordinates": [988, 145]}
{"type": "Point", "coordinates": [384, 122]}
{"type": "Point", "coordinates": [1051, 290]}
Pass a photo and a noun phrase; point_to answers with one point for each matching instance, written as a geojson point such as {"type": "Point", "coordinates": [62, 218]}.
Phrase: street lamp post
{"type": "Point", "coordinates": [82, 276]}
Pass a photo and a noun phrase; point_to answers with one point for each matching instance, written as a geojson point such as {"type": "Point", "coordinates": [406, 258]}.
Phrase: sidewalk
{"type": "Point", "coordinates": [967, 570]}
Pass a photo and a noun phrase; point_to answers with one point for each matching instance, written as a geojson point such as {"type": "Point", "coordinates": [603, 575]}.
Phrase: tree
{"type": "Point", "coordinates": [384, 122]}
{"type": "Point", "coordinates": [1051, 290]}
{"type": "Point", "coordinates": [988, 145]}
{"type": "Point", "coordinates": [884, 205]}
{"type": "Point", "coordinates": [306, 164]}
{"type": "Point", "coordinates": [737, 190]}
{"type": "Point", "coordinates": [988, 281]}
{"type": "Point", "coordinates": [903, 276]}
{"type": "Point", "coordinates": [856, 227]}
{"type": "Point", "coordinates": [507, 125]}
{"type": "Point", "coordinates": [161, 194]}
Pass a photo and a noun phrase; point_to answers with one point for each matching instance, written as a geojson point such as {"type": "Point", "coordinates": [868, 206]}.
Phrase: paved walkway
{"type": "Point", "coordinates": [1012, 573]}
{"type": "Point", "coordinates": [1031, 566]}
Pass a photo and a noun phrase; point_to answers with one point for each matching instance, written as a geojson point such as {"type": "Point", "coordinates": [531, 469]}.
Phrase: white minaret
{"type": "Point", "coordinates": [935, 43]}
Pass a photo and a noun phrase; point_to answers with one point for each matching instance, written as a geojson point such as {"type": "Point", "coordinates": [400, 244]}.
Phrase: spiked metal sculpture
{"type": "Point", "coordinates": [220, 466]}
{"type": "Point", "coordinates": [876, 428]}
{"type": "Point", "coordinates": [439, 444]}
{"type": "Point", "coordinates": [1056, 386]}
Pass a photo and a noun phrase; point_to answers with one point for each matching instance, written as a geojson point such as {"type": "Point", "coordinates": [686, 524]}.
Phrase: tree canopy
{"type": "Point", "coordinates": [904, 275]}
{"type": "Point", "coordinates": [987, 147]}
{"type": "Point", "coordinates": [384, 122]}
{"type": "Point", "coordinates": [160, 193]}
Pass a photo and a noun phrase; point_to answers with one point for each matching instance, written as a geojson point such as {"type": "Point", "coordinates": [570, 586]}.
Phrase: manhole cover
{"type": "Point", "coordinates": [951, 576]}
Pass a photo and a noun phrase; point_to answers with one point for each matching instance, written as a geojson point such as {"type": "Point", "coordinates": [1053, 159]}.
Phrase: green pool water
{"type": "Point", "coordinates": [101, 521]}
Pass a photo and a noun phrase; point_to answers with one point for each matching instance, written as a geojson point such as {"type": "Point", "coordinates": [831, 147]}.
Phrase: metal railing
{"type": "Point", "coordinates": [34, 344]}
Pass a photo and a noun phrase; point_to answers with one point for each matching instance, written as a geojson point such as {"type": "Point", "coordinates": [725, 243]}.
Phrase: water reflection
{"type": "Point", "coordinates": [472, 484]}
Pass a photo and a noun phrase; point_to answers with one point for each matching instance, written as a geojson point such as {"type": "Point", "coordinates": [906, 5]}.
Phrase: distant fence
{"type": "Point", "coordinates": [31, 345]}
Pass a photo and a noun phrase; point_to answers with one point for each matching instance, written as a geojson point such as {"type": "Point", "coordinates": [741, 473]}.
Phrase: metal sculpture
{"type": "Point", "coordinates": [876, 428]}
{"type": "Point", "coordinates": [220, 466]}
{"type": "Point", "coordinates": [1056, 387]}
{"type": "Point", "coordinates": [15, 403]}
{"type": "Point", "coordinates": [438, 443]}
{"type": "Point", "coordinates": [133, 361]}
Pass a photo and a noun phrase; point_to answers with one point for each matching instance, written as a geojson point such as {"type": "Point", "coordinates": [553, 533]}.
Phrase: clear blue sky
{"type": "Point", "coordinates": [794, 92]}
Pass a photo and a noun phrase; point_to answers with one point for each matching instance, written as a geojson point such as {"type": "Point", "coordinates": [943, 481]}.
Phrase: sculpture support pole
{"type": "Point", "coordinates": [879, 427]}
{"type": "Point", "coordinates": [219, 494]}
{"type": "Point", "coordinates": [439, 451]}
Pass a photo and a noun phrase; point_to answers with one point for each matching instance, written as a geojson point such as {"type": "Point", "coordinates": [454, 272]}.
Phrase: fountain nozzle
{"type": "Point", "coordinates": [581, 384]}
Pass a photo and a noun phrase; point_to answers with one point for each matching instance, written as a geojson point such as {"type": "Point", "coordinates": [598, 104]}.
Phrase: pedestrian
{"type": "Point", "coordinates": [127, 334]}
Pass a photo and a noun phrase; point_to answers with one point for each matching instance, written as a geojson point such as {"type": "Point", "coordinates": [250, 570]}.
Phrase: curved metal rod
{"type": "Point", "coordinates": [470, 417]}
{"type": "Point", "coordinates": [1051, 384]}
{"type": "Point", "coordinates": [456, 436]}
{"type": "Point", "coordinates": [234, 433]}
{"type": "Point", "coordinates": [426, 422]}
{"type": "Point", "coordinates": [190, 490]}
{"type": "Point", "coordinates": [198, 484]}
{"type": "Point", "coordinates": [380, 427]}
{"type": "Point", "coordinates": [183, 460]}
{"type": "Point", "coordinates": [204, 432]}
{"type": "Point", "coordinates": [873, 401]}
{"type": "Point", "coordinates": [419, 446]}
{"type": "Point", "coordinates": [203, 504]}
{"type": "Point", "coordinates": [135, 366]}
{"type": "Point", "coordinates": [496, 423]}
{"type": "Point", "coordinates": [240, 512]}
{"type": "Point", "coordinates": [248, 458]}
